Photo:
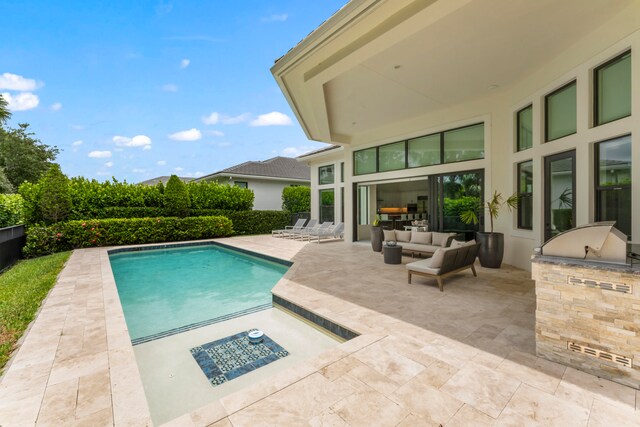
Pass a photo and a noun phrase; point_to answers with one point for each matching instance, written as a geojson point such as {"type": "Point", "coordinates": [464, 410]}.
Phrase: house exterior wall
{"type": "Point", "coordinates": [267, 193]}
{"type": "Point", "coordinates": [498, 110]}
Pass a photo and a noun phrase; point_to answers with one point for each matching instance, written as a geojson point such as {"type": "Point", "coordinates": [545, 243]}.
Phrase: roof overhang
{"type": "Point", "coordinates": [227, 175]}
{"type": "Point", "coordinates": [377, 62]}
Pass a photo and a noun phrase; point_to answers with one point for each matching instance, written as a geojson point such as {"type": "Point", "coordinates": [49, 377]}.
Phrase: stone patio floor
{"type": "Point", "coordinates": [462, 357]}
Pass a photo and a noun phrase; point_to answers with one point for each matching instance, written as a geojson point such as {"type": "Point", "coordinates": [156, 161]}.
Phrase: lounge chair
{"type": "Point", "coordinates": [311, 225]}
{"type": "Point", "coordinates": [334, 232]}
{"type": "Point", "coordinates": [304, 234]}
{"type": "Point", "coordinates": [299, 225]}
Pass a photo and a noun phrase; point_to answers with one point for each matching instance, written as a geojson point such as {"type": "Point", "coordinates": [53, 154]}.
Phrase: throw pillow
{"type": "Point", "coordinates": [457, 244]}
{"type": "Point", "coordinates": [389, 235]}
{"type": "Point", "coordinates": [439, 239]}
{"type": "Point", "coordinates": [403, 236]}
{"type": "Point", "coordinates": [436, 259]}
{"type": "Point", "coordinates": [421, 237]}
{"type": "Point", "coordinates": [471, 242]}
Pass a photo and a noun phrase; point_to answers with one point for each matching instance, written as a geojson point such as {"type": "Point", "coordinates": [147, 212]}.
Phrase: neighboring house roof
{"type": "Point", "coordinates": [163, 179]}
{"type": "Point", "coordinates": [277, 167]}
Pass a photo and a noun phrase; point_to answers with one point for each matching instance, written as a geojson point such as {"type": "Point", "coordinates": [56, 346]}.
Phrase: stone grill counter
{"type": "Point", "coordinates": [588, 316]}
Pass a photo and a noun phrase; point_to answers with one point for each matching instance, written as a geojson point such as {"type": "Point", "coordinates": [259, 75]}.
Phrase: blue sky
{"type": "Point", "coordinates": [138, 89]}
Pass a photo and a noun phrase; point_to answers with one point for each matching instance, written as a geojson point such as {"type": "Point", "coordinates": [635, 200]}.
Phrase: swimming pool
{"type": "Point", "coordinates": [166, 291]}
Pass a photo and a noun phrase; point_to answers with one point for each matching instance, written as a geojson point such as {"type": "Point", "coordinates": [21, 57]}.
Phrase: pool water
{"type": "Point", "coordinates": [166, 289]}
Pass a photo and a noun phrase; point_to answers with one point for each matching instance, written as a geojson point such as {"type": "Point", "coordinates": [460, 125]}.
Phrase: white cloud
{"type": "Point", "coordinates": [77, 143]}
{"type": "Point", "coordinates": [15, 82]}
{"type": "Point", "coordinates": [138, 170]}
{"type": "Point", "coordinates": [109, 164]}
{"type": "Point", "coordinates": [22, 101]}
{"type": "Point", "coordinates": [161, 162]}
{"type": "Point", "coordinates": [170, 87]}
{"type": "Point", "coordinates": [178, 169]}
{"type": "Point", "coordinates": [297, 151]}
{"type": "Point", "coordinates": [276, 18]}
{"type": "Point", "coordinates": [185, 63]}
{"type": "Point", "coordinates": [214, 133]}
{"type": "Point", "coordinates": [192, 134]}
{"type": "Point", "coordinates": [211, 119]}
{"type": "Point", "coordinates": [137, 141]}
{"type": "Point", "coordinates": [216, 117]}
{"type": "Point", "coordinates": [56, 107]}
{"type": "Point", "coordinates": [274, 118]}
{"type": "Point", "coordinates": [146, 147]}
{"type": "Point", "coordinates": [100, 154]}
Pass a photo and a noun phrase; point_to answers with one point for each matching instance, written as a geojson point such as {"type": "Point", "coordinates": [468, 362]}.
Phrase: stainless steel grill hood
{"type": "Point", "coordinates": [598, 241]}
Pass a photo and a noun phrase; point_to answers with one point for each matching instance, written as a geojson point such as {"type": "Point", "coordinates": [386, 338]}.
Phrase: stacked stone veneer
{"type": "Point", "coordinates": [604, 320]}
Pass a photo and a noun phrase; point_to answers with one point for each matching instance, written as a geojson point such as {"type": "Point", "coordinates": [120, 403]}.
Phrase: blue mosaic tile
{"type": "Point", "coordinates": [228, 358]}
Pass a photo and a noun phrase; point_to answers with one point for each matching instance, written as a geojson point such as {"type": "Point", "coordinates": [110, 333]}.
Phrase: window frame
{"type": "Point", "coordinates": [236, 184]}
{"type": "Point", "coordinates": [597, 187]}
{"type": "Point", "coordinates": [333, 181]}
{"type": "Point", "coordinates": [320, 205]}
{"type": "Point", "coordinates": [518, 148]}
{"type": "Point", "coordinates": [596, 80]}
{"type": "Point", "coordinates": [546, 110]}
{"type": "Point", "coordinates": [520, 194]}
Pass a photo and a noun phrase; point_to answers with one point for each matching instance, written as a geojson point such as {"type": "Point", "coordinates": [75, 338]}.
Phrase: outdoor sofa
{"type": "Point", "coordinates": [419, 242]}
{"type": "Point", "coordinates": [446, 261]}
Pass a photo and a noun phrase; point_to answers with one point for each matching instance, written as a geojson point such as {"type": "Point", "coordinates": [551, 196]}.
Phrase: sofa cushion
{"type": "Point", "coordinates": [423, 266]}
{"type": "Point", "coordinates": [389, 235]}
{"type": "Point", "coordinates": [421, 237]}
{"type": "Point", "coordinates": [403, 236]}
{"type": "Point", "coordinates": [439, 239]}
{"type": "Point", "coordinates": [458, 243]}
{"type": "Point", "coordinates": [437, 258]}
{"type": "Point", "coordinates": [419, 247]}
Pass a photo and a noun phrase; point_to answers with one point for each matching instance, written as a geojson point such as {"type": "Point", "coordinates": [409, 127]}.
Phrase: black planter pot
{"type": "Point", "coordinates": [491, 249]}
{"type": "Point", "coordinates": [376, 238]}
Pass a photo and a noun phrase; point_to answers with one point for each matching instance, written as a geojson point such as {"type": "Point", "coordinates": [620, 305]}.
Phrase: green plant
{"type": "Point", "coordinates": [176, 198]}
{"type": "Point", "coordinates": [11, 210]}
{"type": "Point", "coordinates": [212, 195]}
{"type": "Point", "coordinates": [493, 205]}
{"type": "Point", "coordinates": [376, 221]}
{"type": "Point", "coordinates": [296, 199]}
{"type": "Point", "coordinates": [55, 201]}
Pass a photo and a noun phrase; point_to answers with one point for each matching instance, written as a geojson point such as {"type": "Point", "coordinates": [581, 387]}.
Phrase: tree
{"type": "Point", "coordinates": [55, 204]}
{"type": "Point", "coordinates": [296, 199]}
{"type": "Point", "coordinates": [5, 185]}
{"type": "Point", "coordinates": [5, 114]}
{"type": "Point", "coordinates": [176, 197]}
{"type": "Point", "coordinates": [23, 157]}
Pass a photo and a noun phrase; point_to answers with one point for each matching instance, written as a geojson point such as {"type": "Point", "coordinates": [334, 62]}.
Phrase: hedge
{"type": "Point", "coordinates": [296, 199]}
{"type": "Point", "coordinates": [110, 232]}
{"type": "Point", "coordinates": [11, 210]}
{"type": "Point", "coordinates": [244, 222]}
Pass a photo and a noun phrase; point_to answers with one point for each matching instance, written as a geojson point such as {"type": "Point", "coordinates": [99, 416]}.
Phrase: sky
{"type": "Point", "coordinates": [139, 89]}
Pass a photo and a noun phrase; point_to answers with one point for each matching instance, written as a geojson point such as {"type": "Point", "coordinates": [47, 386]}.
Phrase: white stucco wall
{"type": "Point", "coordinates": [267, 193]}
{"type": "Point", "coordinates": [497, 110]}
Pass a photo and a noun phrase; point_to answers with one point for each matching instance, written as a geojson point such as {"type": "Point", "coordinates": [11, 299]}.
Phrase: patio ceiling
{"type": "Point", "coordinates": [377, 62]}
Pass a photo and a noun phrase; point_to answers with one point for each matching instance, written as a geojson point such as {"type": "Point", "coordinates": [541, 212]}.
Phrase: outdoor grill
{"type": "Point", "coordinates": [598, 242]}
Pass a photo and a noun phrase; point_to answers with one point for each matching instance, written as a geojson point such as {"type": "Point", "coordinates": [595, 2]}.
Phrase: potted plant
{"type": "Point", "coordinates": [491, 244]}
{"type": "Point", "coordinates": [376, 235]}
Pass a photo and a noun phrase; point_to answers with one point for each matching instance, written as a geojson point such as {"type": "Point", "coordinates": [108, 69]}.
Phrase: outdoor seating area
{"type": "Point", "coordinates": [311, 231]}
{"type": "Point", "coordinates": [446, 262]}
{"type": "Point", "coordinates": [417, 242]}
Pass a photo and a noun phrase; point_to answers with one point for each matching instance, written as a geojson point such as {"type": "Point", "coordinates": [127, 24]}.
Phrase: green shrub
{"type": "Point", "coordinates": [42, 240]}
{"type": "Point", "coordinates": [176, 198]}
{"type": "Point", "coordinates": [296, 199]}
{"type": "Point", "coordinates": [11, 210]}
{"type": "Point", "coordinates": [31, 195]}
{"type": "Point", "coordinates": [211, 195]}
{"type": "Point", "coordinates": [254, 222]}
{"type": "Point", "coordinates": [118, 212]}
{"type": "Point", "coordinates": [55, 201]}
{"type": "Point", "coordinates": [454, 207]}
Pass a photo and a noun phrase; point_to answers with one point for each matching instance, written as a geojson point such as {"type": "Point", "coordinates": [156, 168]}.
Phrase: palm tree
{"type": "Point", "coordinates": [5, 114]}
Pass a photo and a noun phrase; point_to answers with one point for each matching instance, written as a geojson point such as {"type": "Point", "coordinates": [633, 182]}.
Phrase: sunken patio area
{"type": "Point", "coordinates": [465, 356]}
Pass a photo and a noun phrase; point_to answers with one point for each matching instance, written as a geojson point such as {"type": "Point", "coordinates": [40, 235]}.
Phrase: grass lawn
{"type": "Point", "coordinates": [22, 289]}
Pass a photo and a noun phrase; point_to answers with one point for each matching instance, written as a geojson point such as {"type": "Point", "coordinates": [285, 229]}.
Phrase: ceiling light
{"type": "Point", "coordinates": [396, 67]}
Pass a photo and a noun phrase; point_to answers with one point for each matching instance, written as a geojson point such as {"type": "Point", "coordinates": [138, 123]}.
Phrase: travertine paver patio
{"type": "Point", "coordinates": [462, 357]}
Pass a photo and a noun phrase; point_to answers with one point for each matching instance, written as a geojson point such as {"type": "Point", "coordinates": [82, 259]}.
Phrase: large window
{"type": "Point", "coordinates": [613, 182]}
{"type": "Point", "coordinates": [560, 112]}
{"type": "Point", "coordinates": [326, 205]}
{"type": "Point", "coordinates": [326, 174]}
{"type": "Point", "coordinates": [392, 157]}
{"type": "Point", "coordinates": [612, 91]}
{"type": "Point", "coordinates": [456, 145]}
{"type": "Point", "coordinates": [525, 191]}
{"type": "Point", "coordinates": [464, 144]}
{"type": "Point", "coordinates": [524, 128]}
{"type": "Point", "coordinates": [424, 151]}
{"type": "Point", "coordinates": [365, 161]}
{"type": "Point", "coordinates": [241, 184]}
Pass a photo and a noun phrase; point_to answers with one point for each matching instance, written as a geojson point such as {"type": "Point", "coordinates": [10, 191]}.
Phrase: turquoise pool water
{"type": "Point", "coordinates": [165, 289]}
